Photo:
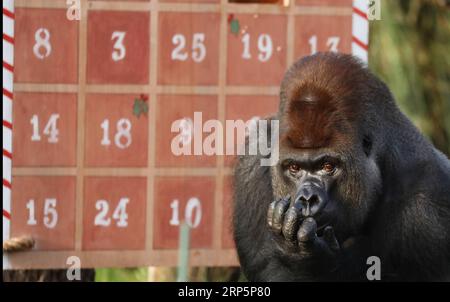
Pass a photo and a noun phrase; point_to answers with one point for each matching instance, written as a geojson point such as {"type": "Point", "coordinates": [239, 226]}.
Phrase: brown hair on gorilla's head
{"type": "Point", "coordinates": [321, 100]}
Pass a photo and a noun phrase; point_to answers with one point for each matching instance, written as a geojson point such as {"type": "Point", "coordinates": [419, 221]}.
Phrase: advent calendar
{"type": "Point", "coordinates": [93, 102]}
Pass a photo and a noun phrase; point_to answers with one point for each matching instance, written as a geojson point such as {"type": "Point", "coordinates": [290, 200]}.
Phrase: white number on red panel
{"type": "Point", "coordinates": [119, 50]}
{"type": "Point", "coordinates": [265, 47]}
{"type": "Point", "coordinates": [192, 212]}
{"type": "Point", "coordinates": [332, 43]}
{"type": "Point", "coordinates": [122, 137]}
{"type": "Point", "coordinates": [187, 131]}
{"type": "Point", "coordinates": [42, 47]}
{"type": "Point", "coordinates": [180, 53]}
{"type": "Point", "coordinates": [120, 215]}
{"type": "Point", "coordinates": [50, 214]}
{"type": "Point", "coordinates": [50, 129]}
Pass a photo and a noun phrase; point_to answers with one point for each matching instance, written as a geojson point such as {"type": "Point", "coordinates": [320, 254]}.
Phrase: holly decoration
{"type": "Point", "coordinates": [140, 105]}
{"type": "Point", "coordinates": [234, 24]}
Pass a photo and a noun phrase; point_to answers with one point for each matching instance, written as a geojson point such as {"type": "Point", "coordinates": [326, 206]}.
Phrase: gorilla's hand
{"type": "Point", "coordinates": [296, 234]}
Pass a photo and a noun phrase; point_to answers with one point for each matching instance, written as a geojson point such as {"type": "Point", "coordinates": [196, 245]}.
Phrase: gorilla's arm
{"type": "Point", "coordinates": [411, 233]}
{"type": "Point", "coordinates": [253, 194]}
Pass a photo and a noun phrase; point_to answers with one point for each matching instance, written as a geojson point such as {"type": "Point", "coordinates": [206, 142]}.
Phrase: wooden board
{"type": "Point", "coordinates": [101, 181]}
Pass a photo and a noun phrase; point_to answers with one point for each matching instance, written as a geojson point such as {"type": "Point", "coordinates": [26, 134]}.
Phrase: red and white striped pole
{"type": "Point", "coordinates": [8, 79]}
{"type": "Point", "coordinates": [360, 29]}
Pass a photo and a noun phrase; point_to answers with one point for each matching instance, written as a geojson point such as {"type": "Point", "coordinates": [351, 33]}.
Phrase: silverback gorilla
{"type": "Point", "coordinates": [354, 179]}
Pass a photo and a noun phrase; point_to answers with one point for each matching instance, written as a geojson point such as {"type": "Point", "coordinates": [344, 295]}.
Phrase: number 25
{"type": "Point", "coordinates": [198, 48]}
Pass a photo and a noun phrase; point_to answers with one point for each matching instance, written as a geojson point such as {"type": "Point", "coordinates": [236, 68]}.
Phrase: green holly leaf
{"type": "Point", "coordinates": [235, 26]}
{"type": "Point", "coordinates": [140, 106]}
{"type": "Point", "coordinates": [144, 107]}
{"type": "Point", "coordinates": [136, 108]}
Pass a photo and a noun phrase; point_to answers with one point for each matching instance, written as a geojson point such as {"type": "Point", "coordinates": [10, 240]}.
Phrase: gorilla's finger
{"type": "Point", "coordinates": [270, 212]}
{"type": "Point", "coordinates": [330, 239]}
{"type": "Point", "coordinates": [278, 214]}
{"type": "Point", "coordinates": [291, 223]}
{"type": "Point", "coordinates": [307, 231]}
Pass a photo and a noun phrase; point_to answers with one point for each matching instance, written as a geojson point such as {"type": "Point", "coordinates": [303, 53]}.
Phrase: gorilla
{"type": "Point", "coordinates": [354, 179]}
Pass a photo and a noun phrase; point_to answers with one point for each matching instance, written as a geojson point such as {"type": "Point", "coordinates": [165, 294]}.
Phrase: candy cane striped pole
{"type": "Point", "coordinates": [8, 71]}
{"type": "Point", "coordinates": [360, 29]}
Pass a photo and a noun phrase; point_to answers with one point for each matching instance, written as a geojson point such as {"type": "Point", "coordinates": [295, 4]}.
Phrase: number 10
{"type": "Point", "coordinates": [192, 205]}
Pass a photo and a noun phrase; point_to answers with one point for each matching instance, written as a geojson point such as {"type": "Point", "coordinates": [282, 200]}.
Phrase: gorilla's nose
{"type": "Point", "coordinates": [311, 199]}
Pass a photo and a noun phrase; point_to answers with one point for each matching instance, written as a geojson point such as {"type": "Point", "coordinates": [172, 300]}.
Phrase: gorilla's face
{"type": "Point", "coordinates": [311, 177]}
{"type": "Point", "coordinates": [327, 165]}
{"type": "Point", "coordinates": [335, 187]}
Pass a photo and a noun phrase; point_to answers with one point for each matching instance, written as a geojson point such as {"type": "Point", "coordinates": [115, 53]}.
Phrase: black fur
{"type": "Point", "coordinates": [392, 199]}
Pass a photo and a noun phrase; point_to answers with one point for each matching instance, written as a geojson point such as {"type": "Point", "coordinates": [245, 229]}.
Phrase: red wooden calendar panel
{"type": "Point", "coordinates": [188, 49]}
{"type": "Point", "coordinates": [182, 108]}
{"type": "Point", "coordinates": [322, 33]}
{"type": "Point", "coordinates": [48, 46]}
{"type": "Point", "coordinates": [178, 199]}
{"type": "Point", "coordinates": [257, 53]}
{"type": "Point", "coordinates": [118, 49]}
{"type": "Point", "coordinates": [347, 3]}
{"type": "Point", "coordinates": [45, 129]}
{"type": "Point", "coordinates": [115, 134]}
{"type": "Point", "coordinates": [44, 208]}
{"type": "Point", "coordinates": [247, 108]}
{"type": "Point", "coordinates": [227, 213]}
{"type": "Point", "coordinates": [114, 213]}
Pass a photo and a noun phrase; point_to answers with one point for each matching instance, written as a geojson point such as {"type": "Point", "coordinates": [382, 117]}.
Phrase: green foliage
{"type": "Point", "coordinates": [121, 275]}
{"type": "Point", "coordinates": [409, 50]}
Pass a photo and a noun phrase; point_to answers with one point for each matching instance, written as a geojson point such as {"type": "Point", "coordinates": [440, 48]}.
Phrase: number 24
{"type": "Point", "coordinates": [119, 214]}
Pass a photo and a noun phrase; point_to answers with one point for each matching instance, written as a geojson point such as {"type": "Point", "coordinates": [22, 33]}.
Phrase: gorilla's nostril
{"type": "Point", "coordinates": [310, 204]}
{"type": "Point", "coordinates": [309, 200]}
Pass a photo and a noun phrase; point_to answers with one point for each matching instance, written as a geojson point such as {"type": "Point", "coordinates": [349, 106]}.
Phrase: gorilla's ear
{"type": "Point", "coordinates": [367, 144]}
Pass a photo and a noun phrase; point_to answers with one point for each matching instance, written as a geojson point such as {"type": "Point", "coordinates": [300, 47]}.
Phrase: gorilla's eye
{"type": "Point", "coordinates": [294, 168]}
{"type": "Point", "coordinates": [328, 167]}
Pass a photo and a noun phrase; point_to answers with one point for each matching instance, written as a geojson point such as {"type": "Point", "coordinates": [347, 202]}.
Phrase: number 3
{"type": "Point", "coordinates": [119, 48]}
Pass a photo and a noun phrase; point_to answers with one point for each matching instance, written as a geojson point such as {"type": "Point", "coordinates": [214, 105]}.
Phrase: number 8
{"type": "Point", "coordinates": [42, 42]}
